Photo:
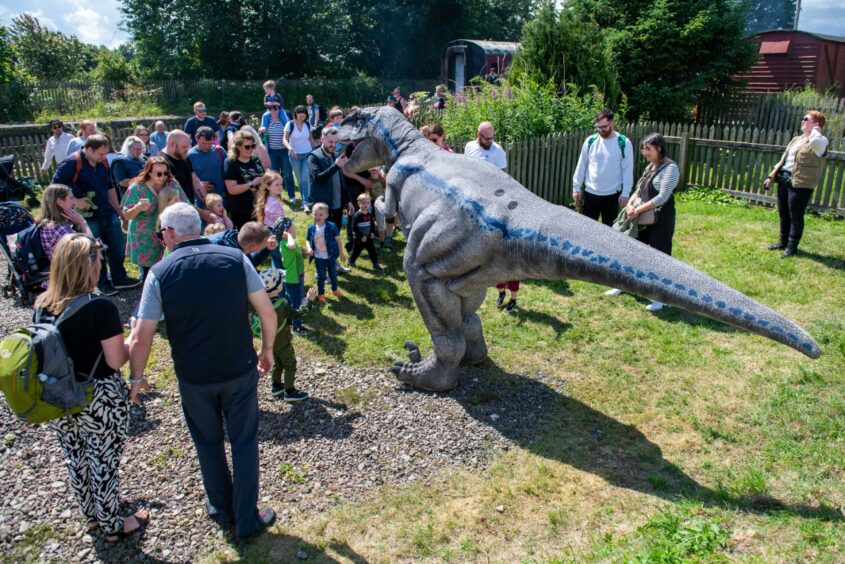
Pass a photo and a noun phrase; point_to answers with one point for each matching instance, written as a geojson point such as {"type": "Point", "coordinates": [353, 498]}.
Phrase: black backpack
{"type": "Point", "coordinates": [29, 256]}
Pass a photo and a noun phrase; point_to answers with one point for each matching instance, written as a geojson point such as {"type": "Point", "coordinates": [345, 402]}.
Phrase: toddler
{"type": "Point", "coordinates": [363, 229]}
{"type": "Point", "coordinates": [324, 244]}
{"type": "Point", "coordinates": [294, 264]}
{"type": "Point", "coordinates": [213, 228]}
{"type": "Point", "coordinates": [269, 208]}
{"type": "Point", "coordinates": [284, 357]}
{"type": "Point", "coordinates": [219, 215]}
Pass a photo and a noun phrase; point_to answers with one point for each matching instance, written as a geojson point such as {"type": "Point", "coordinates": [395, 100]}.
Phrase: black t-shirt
{"type": "Point", "coordinates": [241, 173]}
{"type": "Point", "coordinates": [94, 322]}
{"type": "Point", "coordinates": [182, 171]}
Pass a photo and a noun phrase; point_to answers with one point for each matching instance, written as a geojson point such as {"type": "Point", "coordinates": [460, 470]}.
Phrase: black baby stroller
{"type": "Point", "coordinates": [27, 266]}
{"type": "Point", "coordinates": [12, 188]}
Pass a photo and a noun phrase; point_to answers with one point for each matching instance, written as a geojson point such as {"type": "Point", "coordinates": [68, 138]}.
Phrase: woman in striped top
{"type": "Point", "coordinates": [655, 191]}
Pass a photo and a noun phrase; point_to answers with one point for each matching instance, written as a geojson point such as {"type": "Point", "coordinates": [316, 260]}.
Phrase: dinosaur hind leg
{"type": "Point", "coordinates": [441, 310]}
{"type": "Point", "coordinates": [476, 348]}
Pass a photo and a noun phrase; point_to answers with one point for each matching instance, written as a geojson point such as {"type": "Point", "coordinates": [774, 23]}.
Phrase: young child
{"type": "Point", "coordinates": [513, 287]}
{"type": "Point", "coordinates": [324, 244]}
{"type": "Point", "coordinates": [213, 228]}
{"type": "Point", "coordinates": [269, 208]}
{"type": "Point", "coordinates": [270, 94]}
{"type": "Point", "coordinates": [219, 215]}
{"type": "Point", "coordinates": [294, 266]}
{"type": "Point", "coordinates": [363, 230]}
{"type": "Point", "coordinates": [168, 196]}
{"type": "Point", "coordinates": [284, 358]}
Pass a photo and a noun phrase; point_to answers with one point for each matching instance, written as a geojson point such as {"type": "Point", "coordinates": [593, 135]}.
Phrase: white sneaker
{"type": "Point", "coordinates": [613, 292]}
{"type": "Point", "coordinates": [656, 306]}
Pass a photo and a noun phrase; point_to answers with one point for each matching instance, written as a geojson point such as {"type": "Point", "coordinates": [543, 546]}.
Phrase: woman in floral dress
{"type": "Point", "coordinates": [140, 206]}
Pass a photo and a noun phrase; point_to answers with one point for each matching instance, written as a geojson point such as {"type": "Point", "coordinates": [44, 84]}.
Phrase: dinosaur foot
{"type": "Point", "coordinates": [476, 352]}
{"type": "Point", "coordinates": [427, 373]}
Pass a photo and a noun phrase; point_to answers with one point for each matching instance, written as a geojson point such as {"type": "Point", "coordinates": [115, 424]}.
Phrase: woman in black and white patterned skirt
{"type": "Point", "coordinates": [93, 439]}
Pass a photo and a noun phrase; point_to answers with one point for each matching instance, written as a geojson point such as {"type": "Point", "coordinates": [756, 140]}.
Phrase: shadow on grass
{"type": "Point", "coordinates": [539, 317]}
{"type": "Point", "coordinates": [572, 432]}
{"type": "Point", "coordinates": [306, 420]}
{"type": "Point", "coordinates": [835, 263]}
{"type": "Point", "coordinates": [559, 287]}
{"type": "Point", "coordinates": [280, 547]}
{"type": "Point", "coordinates": [128, 548]}
{"type": "Point", "coordinates": [326, 334]}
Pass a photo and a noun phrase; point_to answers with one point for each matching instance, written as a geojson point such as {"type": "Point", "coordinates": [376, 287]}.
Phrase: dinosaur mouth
{"type": "Point", "coordinates": [350, 148]}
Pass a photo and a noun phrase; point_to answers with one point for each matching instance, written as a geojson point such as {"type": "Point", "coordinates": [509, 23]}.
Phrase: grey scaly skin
{"type": "Point", "coordinates": [469, 226]}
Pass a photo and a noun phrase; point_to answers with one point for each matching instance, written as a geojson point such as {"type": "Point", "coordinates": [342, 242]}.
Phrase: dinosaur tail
{"type": "Point", "coordinates": [569, 245]}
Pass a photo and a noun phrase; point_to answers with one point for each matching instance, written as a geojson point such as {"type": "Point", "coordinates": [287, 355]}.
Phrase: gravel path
{"type": "Point", "coordinates": [360, 429]}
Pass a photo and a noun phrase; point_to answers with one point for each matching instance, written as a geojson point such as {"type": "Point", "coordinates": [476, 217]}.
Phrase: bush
{"type": "Point", "coordinates": [520, 110]}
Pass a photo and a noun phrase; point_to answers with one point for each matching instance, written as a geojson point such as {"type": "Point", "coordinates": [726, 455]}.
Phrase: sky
{"type": "Point", "coordinates": [97, 21]}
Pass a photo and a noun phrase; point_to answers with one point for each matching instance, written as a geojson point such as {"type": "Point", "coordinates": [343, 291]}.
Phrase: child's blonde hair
{"type": "Point", "coordinates": [320, 206]}
{"type": "Point", "coordinates": [168, 196]}
{"type": "Point", "coordinates": [270, 84]}
{"type": "Point", "coordinates": [364, 196]}
{"type": "Point", "coordinates": [213, 228]}
{"type": "Point", "coordinates": [212, 199]}
{"type": "Point", "coordinates": [263, 191]}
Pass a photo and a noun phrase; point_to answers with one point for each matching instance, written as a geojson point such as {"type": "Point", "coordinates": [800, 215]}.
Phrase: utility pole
{"type": "Point", "coordinates": [797, 13]}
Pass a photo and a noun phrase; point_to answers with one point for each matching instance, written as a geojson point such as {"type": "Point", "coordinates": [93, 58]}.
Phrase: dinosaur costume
{"type": "Point", "coordinates": [469, 225]}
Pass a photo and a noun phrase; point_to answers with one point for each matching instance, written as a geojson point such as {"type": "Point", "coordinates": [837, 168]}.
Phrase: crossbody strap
{"type": "Point", "coordinates": [72, 309]}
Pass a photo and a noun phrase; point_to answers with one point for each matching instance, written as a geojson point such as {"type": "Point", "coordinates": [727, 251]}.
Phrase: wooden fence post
{"type": "Point", "coordinates": [683, 160]}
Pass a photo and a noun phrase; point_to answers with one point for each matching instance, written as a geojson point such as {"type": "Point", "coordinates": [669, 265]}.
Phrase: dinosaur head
{"type": "Point", "coordinates": [377, 136]}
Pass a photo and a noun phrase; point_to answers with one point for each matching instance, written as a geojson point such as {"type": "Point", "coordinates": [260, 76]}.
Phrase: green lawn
{"type": "Point", "coordinates": [676, 438]}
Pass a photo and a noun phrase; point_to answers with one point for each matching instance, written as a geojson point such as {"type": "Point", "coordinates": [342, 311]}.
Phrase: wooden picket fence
{"type": "Point", "coordinates": [775, 110]}
{"type": "Point", "coordinates": [734, 159]}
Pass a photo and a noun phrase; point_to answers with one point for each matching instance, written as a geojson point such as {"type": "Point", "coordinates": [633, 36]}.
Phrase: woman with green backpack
{"type": "Point", "coordinates": [93, 336]}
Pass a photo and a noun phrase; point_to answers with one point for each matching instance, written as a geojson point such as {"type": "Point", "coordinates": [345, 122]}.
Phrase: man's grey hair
{"type": "Point", "coordinates": [182, 218]}
{"type": "Point", "coordinates": [127, 144]}
{"type": "Point", "coordinates": [157, 123]}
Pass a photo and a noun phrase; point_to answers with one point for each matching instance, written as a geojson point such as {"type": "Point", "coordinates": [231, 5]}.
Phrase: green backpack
{"type": "Point", "coordinates": [620, 140]}
{"type": "Point", "coordinates": [37, 376]}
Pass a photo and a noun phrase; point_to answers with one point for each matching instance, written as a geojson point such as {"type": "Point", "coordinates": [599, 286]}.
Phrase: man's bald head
{"type": "Point", "coordinates": [178, 144]}
{"type": "Point", "coordinates": [485, 135]}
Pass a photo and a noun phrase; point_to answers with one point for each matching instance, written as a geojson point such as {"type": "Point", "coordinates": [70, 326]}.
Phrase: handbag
{"type": "Point", "coordinates": [648, 217]}
{"type": "Point", "coordinates": [783, 176]}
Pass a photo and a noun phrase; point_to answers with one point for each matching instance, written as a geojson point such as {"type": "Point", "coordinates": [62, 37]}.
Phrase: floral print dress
{"type": "Point", "coordinates": [142, 246]}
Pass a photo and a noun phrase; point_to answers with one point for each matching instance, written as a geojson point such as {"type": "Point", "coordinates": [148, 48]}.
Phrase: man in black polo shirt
{"type": "Point", "coordinates": [215, 364]}
{"type": "Point", "coordinates": [176, 155]}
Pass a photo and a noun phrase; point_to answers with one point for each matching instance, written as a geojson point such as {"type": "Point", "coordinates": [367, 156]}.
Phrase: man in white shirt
{"type": "Point", "coordinates": [485, 148]}
{"type": "Point", "coordinates": [606, 169]}
{"type": "Point", "coordinates": [87, 128]}
{"type": "Point", "coordinates": [57, 143]}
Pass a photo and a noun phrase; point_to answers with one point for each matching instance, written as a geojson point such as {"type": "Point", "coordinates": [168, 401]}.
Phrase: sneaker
{"type": "Point", "coordinates": [343, 270]}
{"type": "Point", "coordinates": [656, 306]}
{"type": "Point", "coordinates": [510, 307]}
{"type": "Point", "coordinates": [107, 289]}
{"type": "Point", "coordinates": [277, 389]}
{"type": "Point", "coordinates": [323, 299]}
{"type": "Point", "coordinates": [337, 293]}
{"type": "Point", "coordinates": [266, 518]}
{"type": "Point", "coordinates": [126, 282]}
{"type": "Point", "coordinates": [295, 395]}
{"type": "Point", "coordinates": [351, 264]}
{"type": "Point", "coordinates": [613, 292]}
{"type": "Point", "coordinates": [777, 247]}
{"type": "Point", "coordinates": [302, 331]}
{"type": "Point", "coordinates": [500, 300]}
{"type": "Point", "coordinates": [306, 209]}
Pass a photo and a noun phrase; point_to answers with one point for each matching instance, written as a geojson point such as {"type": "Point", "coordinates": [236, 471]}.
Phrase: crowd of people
{"type": "Point", "coordinates": [207, 202]}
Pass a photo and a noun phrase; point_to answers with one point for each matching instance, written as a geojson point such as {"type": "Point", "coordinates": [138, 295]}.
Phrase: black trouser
{"type": "Point", "coordinates": [605, 206]}
{"type": "Point", "coordinates": [336, 217]}
{"type": "Point", "coordinates": [659, 235]}
{"type": "Point", "coordinates": [240, 218]}
{"type": "Point", "coordinates": [358, 247]}
{"type": "Point", "coordinates": [792, 203]}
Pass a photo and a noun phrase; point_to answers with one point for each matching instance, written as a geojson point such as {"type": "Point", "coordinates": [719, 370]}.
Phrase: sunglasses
{"type": "Point", "coordinates": [57, 127]}
{"type": "Point", "coordinates": [159, 174]}
{"type": "Point", "coordinates": [202, 111]}
{"type": "Point", "coordinates": [160, 233]}
{"type": "Point", "coordinates": [249, 147]}
{"type": "Point", "coordinates": [806, 118]}
{"type": "Point", "coordinates": [487, 138]}
{"type": "Point", "coordinates": [274, 107]}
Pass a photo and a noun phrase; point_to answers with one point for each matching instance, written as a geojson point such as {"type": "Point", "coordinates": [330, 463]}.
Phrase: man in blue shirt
{"type": "Point", "coordinates": [207, 160]}
{"type": "Point", "coordinates": [87, 174]}
{"type": "Point", "coordinates": [159, 136]}
{"type": "Point", "coordinates": [200, 119]}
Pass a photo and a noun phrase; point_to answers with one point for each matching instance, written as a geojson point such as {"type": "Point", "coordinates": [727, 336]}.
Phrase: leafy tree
{"type": "Point", "coordinates": [572, 54]}
{"type": "Point", "coordinates": [15, 85]}
{"type": "Point", "coordinates": [670, 52]}
{"type": "Point", "coordinates": [764, 15]}
{"type": "Point", "coordinates": [113, 67]}
{"type": "Point", "coordinates": [45, 54]}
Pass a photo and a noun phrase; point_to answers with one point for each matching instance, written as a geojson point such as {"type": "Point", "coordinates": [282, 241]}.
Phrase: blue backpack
{"type": "Point", "coordinates": [29, 257]}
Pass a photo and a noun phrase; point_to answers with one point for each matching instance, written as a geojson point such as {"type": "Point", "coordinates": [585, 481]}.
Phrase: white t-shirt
{"type": "Point", "coordinates": [816, 140]}
{"type": "Point", "coordinates": [321, 250]}
{"type": "Point", "coordinates": [299, 140]}
{"type": "Point", "coordinates": [495, 155]}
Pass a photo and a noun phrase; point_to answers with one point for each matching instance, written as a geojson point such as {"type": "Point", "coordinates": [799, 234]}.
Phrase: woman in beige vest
{"type": "Point", "coordinates": [797, 173]}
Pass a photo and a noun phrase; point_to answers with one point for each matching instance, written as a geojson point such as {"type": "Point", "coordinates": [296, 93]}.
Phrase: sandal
{"type": "Point", "coordinates": [142, 516]}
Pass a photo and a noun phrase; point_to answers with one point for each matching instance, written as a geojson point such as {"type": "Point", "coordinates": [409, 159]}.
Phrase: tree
{"type": "Point", "coordinates": [558, 48]}
{"type": "Point", "coordinates": [764, 15]}
{"type": "Point", "coordinates": [668, 53]}
{"type": "Point", "coordinates": [45, 54]}
{"type": "Point", "coordinates": [15, 85]}
{"type": "Point", "coordinates": [112, 66]}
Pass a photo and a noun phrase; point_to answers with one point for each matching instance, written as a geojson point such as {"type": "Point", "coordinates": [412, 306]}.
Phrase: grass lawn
{"type": "Point", "coordinates": [676, 438]}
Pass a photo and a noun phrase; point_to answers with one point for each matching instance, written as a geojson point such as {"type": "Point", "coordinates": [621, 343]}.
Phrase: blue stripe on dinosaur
{"type": "Point", "coordinates": [475, 211]}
